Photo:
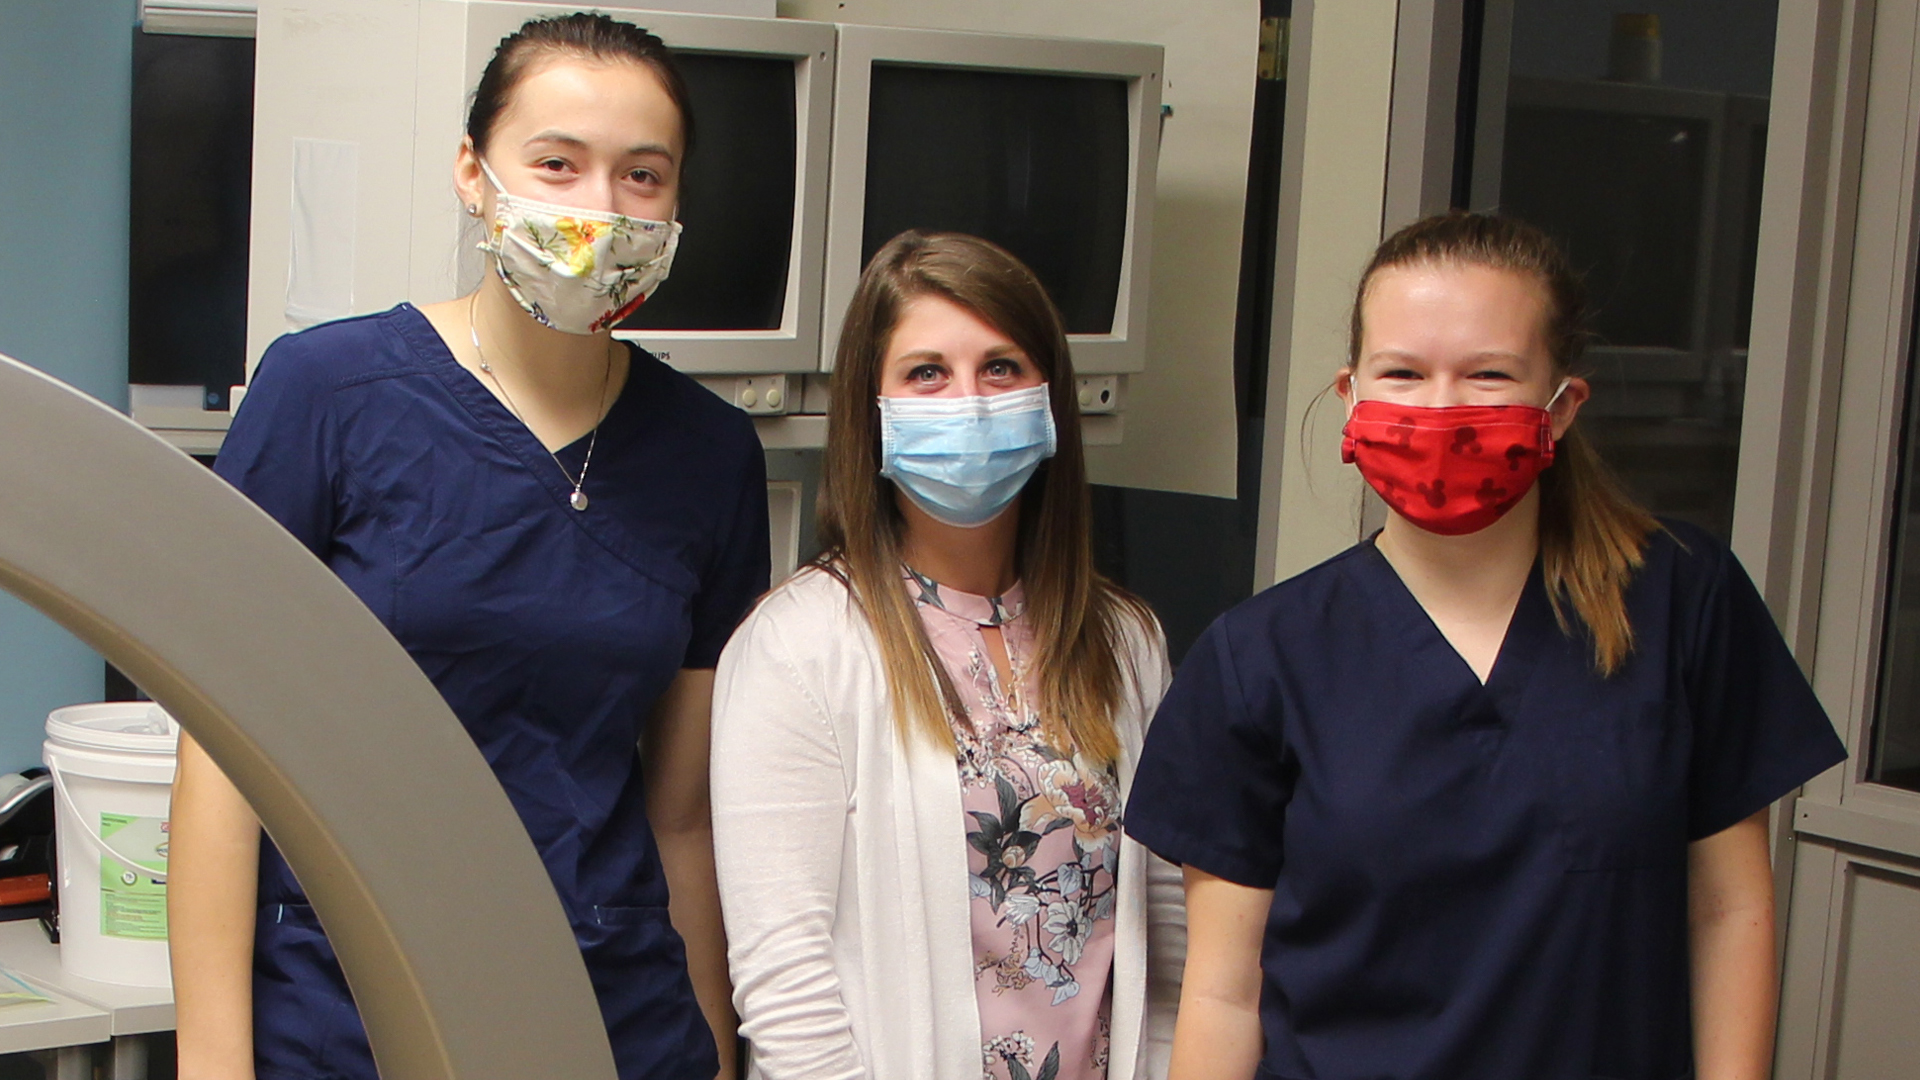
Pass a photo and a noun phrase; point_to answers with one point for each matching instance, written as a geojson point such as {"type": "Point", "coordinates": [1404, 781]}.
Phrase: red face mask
{"type": "Point", "coordinates": [1451, 470]}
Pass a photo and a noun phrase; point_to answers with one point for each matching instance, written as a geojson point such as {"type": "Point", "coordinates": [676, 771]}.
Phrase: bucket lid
{"type": "Point", "coordinates": [139, 726]}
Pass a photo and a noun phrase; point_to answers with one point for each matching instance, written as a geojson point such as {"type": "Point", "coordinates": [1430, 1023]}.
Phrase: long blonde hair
{"type": "Point", "coordinates": [1593, 536]}
{"type": "Point", "coordinates": [1080, 620]}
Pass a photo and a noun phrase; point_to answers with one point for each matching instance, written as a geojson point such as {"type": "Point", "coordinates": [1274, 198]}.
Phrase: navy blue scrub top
{"type": "Point", "coordinates": [1475, 881]}
{"type": "Point", "coordinates": [550, 633]}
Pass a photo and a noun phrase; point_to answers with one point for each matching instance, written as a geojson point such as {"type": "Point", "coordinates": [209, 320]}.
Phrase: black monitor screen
{"type": "Point", "coordinates": [191, 195]}
{"type": "Point", "coordinates": [1036, 163]}
{"type": "Point", "coordinates": [1623, 192]}
{"type": "Point", "coordinates": [736, 199]}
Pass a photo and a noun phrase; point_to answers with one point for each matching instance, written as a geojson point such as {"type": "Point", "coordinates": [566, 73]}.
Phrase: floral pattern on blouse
{"type": "Point", "coordinates": [1043, 837]}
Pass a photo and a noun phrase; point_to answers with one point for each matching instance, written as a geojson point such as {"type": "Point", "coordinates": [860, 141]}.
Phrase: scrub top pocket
{"type": "Point", "coordinates": [1620, 781]}
{"type": "Point", "coordinates": [639, 970]}
{"type": "Point", "coordinates": [305, 1025]}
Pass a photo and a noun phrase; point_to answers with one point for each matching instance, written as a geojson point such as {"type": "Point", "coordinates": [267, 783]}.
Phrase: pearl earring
{"type": "Point", "coordinates": [473, 210]}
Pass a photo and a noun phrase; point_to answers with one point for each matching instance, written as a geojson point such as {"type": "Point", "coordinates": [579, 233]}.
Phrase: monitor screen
{"type": "Point", "coordinates": [736, 200]}
{"type": "Point", "coordinates": [192, 178]}
{"type": "Point", "coordinates": [1039, 164]}
{"type": "Point", "coordinates": [1624, 193]}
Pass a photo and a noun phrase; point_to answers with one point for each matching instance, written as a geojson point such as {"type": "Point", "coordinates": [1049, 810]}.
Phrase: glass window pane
{"type": "Point", "coordinates": [1896, 726]}
{"type": "Point", "coordinates": [1638, 141]}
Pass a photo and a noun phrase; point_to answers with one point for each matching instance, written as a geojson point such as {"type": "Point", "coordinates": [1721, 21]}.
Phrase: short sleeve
{"type": "Point", "coordinates": [1212, 786]}
{"type": "Point", "coordinates": [282, 449]}
{"type": "Point", "coordinates": [1758, 730]}
{"type": "Point", "coordinates": [740, 567]}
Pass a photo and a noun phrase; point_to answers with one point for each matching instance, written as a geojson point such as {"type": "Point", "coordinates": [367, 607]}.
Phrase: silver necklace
{"type": "Point", "coordinates": [578, 500]}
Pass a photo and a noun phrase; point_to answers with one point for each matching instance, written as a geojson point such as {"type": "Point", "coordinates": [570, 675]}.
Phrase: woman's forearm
{"type": "Point", "coordinates": [212, 891]}
{"type": "Point", "coordinates": [1735, 981]}
{"type": "Point", "coordinates": [1215, 1040]}
{"type": "Point", "coordinates": [674, 759]}
{"type": "Point", "coordinates": [1218, 1035]}
{"type": "Point", "coordinates": [694, 906]}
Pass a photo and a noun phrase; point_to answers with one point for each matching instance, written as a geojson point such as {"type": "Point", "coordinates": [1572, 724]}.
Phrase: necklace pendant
{"type": "Point", "coordinates": [578, 500]}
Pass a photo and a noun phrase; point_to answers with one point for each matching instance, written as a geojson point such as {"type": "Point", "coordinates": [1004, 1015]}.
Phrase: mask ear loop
{"type": "Point", "coordinates": [498, 187]}
{"type": "Point", "coordinates": [1348, 452]}
{"type": "Point", "coordinates": [490, 228]}
{"type": "Point", "coordinates": [499, 193]}
{"type": "Point", "coordinates": [1547, 441]}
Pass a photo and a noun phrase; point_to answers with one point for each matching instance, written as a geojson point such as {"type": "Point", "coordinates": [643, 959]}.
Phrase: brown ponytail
{"type": "Point", "coordinates": [1593, 536]}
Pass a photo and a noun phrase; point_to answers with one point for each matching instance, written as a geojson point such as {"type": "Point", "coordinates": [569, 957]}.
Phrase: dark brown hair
{"type": "Point", "coordinates": [1592, 534]}
{"type": "Point", "coordinates": [1080, 620]}
{"type": "Point", "coordinates": [583, 35]}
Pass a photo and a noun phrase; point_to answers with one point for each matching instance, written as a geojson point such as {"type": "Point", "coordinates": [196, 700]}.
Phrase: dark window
{"type": "Point", "coordinates": [1639, 142]}
{"type": "Point", "coordinates": [1896, 723]}
{"type": "Point", "coordinates": [1623, 192]}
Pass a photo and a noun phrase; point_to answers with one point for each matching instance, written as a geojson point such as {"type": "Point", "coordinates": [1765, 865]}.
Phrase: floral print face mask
{"type": "Point", "coordinates": [577, 271]}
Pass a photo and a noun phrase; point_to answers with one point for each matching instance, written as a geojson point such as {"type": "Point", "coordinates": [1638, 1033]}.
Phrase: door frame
{"type": "Point", "coordinates": [1835, 581]}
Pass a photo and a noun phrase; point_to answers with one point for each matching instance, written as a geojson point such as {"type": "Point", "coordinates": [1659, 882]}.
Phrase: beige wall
{"type": "Point", "coordinates": [1180, 424]}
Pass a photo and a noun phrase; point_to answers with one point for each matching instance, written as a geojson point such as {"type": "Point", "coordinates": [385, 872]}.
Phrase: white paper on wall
{"type": "Point", "coordinates": [326, 181]}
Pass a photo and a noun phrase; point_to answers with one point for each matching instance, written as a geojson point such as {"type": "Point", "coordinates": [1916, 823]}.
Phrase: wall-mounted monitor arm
{"type": "Point", "coordinates": [444, 919]}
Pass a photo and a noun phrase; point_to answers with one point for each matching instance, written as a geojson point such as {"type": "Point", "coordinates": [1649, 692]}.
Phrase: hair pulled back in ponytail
{"type": "Point", "coordinates": [582, 35]}
{"type": "Point", "coordinates": [1593, 535]}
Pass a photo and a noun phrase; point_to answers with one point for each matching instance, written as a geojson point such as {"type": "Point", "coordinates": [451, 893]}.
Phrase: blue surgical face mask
{"type": "Point", "coordinates": [964, 459]}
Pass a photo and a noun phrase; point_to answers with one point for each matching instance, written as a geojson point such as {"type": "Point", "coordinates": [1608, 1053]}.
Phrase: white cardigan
{"type": "Point", "coordinates": [843, 863]}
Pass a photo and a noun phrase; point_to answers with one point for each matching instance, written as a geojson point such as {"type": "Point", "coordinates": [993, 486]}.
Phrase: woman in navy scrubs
{"type": "Point", "coordinates": [1484, 796]}
{"type": "Point", "coordinates": [560, 529]}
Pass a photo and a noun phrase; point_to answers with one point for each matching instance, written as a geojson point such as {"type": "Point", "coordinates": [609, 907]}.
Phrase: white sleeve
{"type": "Point", "coordinates": [1166, 960]}
{"type": "Point", "coordinates": [779, 813]}
{"type": "Point", "coordinates": [1166, 895]}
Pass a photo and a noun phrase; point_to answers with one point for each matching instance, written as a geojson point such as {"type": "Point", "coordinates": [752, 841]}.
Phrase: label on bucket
{"type": "Point", "coordinates": [132, 904]}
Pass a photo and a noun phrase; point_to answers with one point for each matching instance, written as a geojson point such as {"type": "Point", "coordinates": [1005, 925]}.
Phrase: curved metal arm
{"type": "Point", "coordinates": [355, 765]}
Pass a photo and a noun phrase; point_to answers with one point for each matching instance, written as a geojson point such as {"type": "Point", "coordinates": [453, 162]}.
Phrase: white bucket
{"type": "Point", "coordinates": [112, 767]}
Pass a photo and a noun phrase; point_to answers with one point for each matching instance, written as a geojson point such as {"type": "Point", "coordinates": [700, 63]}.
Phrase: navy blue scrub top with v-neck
{"type": "Point", "coordinates": [550, 632]}
{"type": "Point", "coordinates": [1475, 881]}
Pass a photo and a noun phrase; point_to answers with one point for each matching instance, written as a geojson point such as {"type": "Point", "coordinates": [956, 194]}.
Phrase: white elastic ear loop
{"type": "Point", "coordinates": [487, 241]}
{"type": "Point", "coordinates": [1564, 383]}
{"type": "Point", "coordinates": [498, 187]}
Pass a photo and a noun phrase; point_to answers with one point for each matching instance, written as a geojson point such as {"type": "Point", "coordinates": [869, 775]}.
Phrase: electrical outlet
{"type": "Point", "coordinates": [1100, 394]}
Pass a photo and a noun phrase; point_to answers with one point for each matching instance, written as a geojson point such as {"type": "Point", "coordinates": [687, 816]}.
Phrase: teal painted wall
{"type": "Point", "coordinates": [66, 76]}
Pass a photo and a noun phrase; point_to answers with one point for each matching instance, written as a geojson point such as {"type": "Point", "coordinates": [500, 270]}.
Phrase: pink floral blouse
{"type": "Point", "coordinates": [1043, 838]}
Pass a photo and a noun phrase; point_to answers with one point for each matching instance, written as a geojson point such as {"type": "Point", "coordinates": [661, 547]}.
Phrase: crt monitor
{"type": "Point", "coordinates": [360, 106]}
{"type": "Point", "coordinates": [1046, 147]}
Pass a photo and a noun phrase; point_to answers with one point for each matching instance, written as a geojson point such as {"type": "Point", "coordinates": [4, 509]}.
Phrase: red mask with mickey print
{"type": "Point", "coordinates": [1452, 469]}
